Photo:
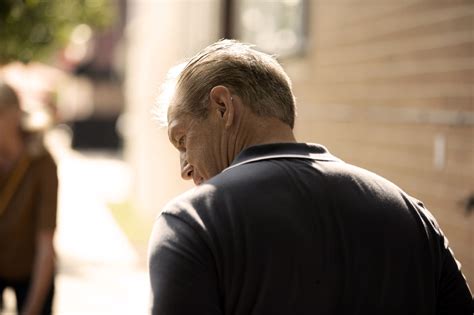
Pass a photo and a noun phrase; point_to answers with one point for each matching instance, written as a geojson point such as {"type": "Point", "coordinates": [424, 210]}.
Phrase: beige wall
{"type": "Point", "coordinates": [388, 85]}
{"type": "Point", "coordinates": [159, 34]}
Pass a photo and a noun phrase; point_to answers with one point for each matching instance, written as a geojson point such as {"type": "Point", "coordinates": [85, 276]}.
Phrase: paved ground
{"type": "Point", "coordinates": [99, 270]}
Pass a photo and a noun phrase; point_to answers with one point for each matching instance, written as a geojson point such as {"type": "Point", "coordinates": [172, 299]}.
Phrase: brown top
{"type": "Point", "coordinates": [31, 208]}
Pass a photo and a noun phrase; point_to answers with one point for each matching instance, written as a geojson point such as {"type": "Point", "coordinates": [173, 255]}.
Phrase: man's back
{"type": "Point", "coordinates": [288, 229]}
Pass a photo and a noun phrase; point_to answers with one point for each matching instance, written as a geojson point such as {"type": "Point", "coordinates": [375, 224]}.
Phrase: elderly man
{"type": "Point", "coordinates": [280, 227]}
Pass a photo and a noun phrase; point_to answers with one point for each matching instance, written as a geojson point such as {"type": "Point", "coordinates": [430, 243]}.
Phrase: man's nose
{"type": "Point", "coordinates": [186, 170]}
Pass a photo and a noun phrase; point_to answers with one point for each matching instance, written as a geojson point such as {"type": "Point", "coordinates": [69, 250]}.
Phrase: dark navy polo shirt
{"type": "Point", "coordinates": [290, 229]}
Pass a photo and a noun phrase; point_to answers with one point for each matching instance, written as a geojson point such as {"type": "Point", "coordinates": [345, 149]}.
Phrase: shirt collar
{"type": "Point", "coordinates": [307, 151]}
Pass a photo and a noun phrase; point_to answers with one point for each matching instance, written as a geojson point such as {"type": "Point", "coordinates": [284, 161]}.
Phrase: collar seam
{"type": "Point", "coordinates": [322, 157]}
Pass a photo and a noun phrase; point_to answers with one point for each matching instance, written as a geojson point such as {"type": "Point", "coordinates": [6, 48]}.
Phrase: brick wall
{"type": "Point", "coordinates": [389, 85]}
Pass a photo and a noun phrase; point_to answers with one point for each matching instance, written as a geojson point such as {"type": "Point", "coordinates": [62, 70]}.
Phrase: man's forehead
{"type": "Point", "coordinates": [171, 112]}
{"type": "Point", "coordinates": [172, 129]}
{"type": "Point", "coordinates": [174, 105]}
{"type": "Point", "coordinates": [176, 119]}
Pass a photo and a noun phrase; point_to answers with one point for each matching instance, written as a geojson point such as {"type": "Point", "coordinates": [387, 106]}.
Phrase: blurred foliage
{"type": "Point", "coordinates": [132, 221]}
{"type": "Point", "coordinates": [34, 29]}
{"type": "Point", "coordinates": [136, 225]}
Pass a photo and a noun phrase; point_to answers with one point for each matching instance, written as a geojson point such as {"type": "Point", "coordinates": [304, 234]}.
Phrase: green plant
{"type": "Point", "coordinates": [132, 221]}
{"type": "Point", "coordinates": [33, 29]}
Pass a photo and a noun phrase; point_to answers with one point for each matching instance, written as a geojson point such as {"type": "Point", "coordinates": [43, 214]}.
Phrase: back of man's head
{"type": "Point", "coordinates": [257, 78]}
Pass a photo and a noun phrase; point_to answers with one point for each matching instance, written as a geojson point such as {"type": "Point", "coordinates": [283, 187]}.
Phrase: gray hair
{"type": "Point", "coordinates": [257, 78]}
{"type": "Point", "coordinates": [166, 94]}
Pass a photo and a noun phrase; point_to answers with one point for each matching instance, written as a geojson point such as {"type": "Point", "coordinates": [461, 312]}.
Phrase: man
{"type": "Point", "coordinates": [280, 227]}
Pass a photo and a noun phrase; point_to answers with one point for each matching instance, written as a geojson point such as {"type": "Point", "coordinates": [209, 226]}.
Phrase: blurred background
{"type": "Point", "coordinates": [385, 85]}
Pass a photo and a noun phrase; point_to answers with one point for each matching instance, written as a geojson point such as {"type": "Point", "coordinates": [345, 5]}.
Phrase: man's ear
{"type": "Point", "coordinates": [222, 104]}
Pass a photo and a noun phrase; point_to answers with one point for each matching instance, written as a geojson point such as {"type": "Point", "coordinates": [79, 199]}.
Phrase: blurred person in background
{"type": "Point", "coordinates": [28, 205]}
{"type": "Point", "coordinates": [280, 227]}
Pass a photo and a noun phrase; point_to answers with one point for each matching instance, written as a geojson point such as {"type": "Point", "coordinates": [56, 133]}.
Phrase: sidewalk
{"type": "Point", "coordinates": [99, 270]}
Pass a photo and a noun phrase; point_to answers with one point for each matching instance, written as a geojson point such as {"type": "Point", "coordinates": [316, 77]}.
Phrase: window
{"type": "Point", "coordinates": [274, 26]}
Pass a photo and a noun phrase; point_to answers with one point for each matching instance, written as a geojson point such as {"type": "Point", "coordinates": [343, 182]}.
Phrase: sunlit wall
{"type": "Point", "coordinates": [160, 34]}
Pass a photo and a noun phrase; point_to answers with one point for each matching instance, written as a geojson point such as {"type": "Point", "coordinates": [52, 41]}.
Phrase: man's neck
{"type": "Point", "coordinates": [271, 130]}
{"type": "Point", "coordinates": [262, 130]}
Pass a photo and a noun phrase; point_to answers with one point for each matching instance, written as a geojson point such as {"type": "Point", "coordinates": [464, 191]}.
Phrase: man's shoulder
{"type": "Point", "coordinates": [232, 183]}
{"type": "Point", "coordinates": [187, 205]}
{"type": "Point", "coordinates": [199, 203]}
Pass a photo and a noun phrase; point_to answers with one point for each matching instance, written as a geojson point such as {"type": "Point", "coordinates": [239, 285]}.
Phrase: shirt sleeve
{"type": "Point", "coordinates": [454, 296]}
{"type": "Point", "coordinates": [47, 197]}
{"type": "Point", "coordinates": [182, 270]}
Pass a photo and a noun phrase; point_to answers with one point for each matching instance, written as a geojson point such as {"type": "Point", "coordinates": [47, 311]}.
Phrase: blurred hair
{"type": "Point", "coordinates": [8, 97]}
{"type": "Point", "coordinates": [257, 78]}
{"type": "Point", "coordinates": [31, 134]}
{"type": "Point", "coordinates": [32, 125]}
{"type": "Point", "coordinates": [166, 93]}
